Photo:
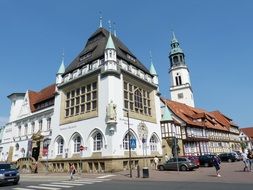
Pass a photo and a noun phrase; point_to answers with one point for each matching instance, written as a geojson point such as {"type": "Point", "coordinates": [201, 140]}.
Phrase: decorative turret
{"type": "Point", "coordinates": [60, 72]}
{"type": "Point", "coordinates": [153, 72]}
{"type": "Point", "coordinates": [110, 50]}
{"type": "Point", "coordinates": [180, 90]}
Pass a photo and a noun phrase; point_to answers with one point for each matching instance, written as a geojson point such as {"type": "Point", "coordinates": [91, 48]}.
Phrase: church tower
{"type": "Point", "coordinates": [180, 87]}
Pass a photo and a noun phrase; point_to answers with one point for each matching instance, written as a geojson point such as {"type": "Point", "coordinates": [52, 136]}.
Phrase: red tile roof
{"type": "Point", "coordinates": [44, 94]}
{"type": "Point", "coordinates": [195, 116]}
{"type": "Point", "coordinates": [248, 131]}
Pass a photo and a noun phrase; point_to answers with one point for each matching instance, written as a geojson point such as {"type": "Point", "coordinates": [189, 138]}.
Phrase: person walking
{"type": "Point", "coordinates": [36, 167]}
{"type": "Point", "coordinates": [245, 161]}
{"type": "Point", "coordinates": [156, 160]}
{"type": "Point", "coordinates": [250, 159]}
{"type": "Point", "coordinates": [72, 170]}
{"type": "Point", "coordinates": [216, 164]}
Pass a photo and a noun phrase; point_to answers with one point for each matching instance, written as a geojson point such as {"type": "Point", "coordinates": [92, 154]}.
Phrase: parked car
{"type": "Point", "coordinates": [194, 159]}
{"type": "Point", "coordinates": [228, 157]}
{"type": "Point", "coordinates": [206, 160]}
{"type": "Point", "coordinates": [180, 163]}
{"type": "Point", "coordinates": [9, 173]}
{"type": "Point", "coordinates": [239, 154]}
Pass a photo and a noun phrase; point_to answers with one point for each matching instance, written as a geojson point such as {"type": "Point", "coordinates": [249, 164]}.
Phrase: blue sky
{"type": "Point", "coordinates": [216, 37]}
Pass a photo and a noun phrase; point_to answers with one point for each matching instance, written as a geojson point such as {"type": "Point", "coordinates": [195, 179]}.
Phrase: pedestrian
{"type": "Point", "coordinates": [166, 157]}
{"type": "Point", "coordinates": [250, 159]}
{"type": "Point", "coordinates": [36, 167]}
{"type": "Point", "coordinates": [216, 164]}
{"type": "Point", "coordinates": [245, 161]}
{"type": "Point", "coordinates": [156, 160]}
{"type": "Point", "coordinates": [72, 170]}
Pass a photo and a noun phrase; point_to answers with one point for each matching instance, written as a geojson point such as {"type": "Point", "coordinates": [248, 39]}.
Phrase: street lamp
{"type": "Point", "coordinates": [129, 146]}
{"type": "Point", "coordinates": [174, 143]}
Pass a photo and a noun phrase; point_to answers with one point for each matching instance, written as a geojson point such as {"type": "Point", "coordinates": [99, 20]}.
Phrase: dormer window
{"type": "Point", "coordinates": [131, 58]}
{"type": "Point", "coordinates": [85, 56]}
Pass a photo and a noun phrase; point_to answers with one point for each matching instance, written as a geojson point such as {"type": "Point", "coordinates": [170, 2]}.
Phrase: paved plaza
{"type": "Point", "coordinates": [231, 173]}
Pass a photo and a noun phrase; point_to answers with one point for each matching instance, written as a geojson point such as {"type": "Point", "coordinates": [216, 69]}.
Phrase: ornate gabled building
{"type": "Point", "coordinates": [197, 131]}
{"type": "Point", "coordinates": [232, 127]}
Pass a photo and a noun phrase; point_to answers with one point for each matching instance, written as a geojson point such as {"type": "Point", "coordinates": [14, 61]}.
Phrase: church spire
{"type": "Point", "coordinates": [180, 88]}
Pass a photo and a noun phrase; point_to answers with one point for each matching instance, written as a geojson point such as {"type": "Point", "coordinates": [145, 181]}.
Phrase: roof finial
{"type": "Point", "coordinates": [62, 57]}
{"type": "Point", "coordinates": [173, 34]}
{"type": "Point", "coordinates": [110, 26]}
{"type": "Point", "coordinates": [114, 29]}
{"type": "Point", "coordinates": [174, 39]}
{"type": "Point", "coordinates": [150, 55]}
{"type": "Point", "coordinates": [100, 20]}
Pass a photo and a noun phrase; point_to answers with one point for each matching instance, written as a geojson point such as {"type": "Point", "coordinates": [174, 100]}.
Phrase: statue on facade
{"type": "Point", "coordinates": [111, 114]}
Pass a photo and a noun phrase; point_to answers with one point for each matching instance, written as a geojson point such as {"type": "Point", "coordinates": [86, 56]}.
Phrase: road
{"type": "Point", "coordinates": [203, 178]}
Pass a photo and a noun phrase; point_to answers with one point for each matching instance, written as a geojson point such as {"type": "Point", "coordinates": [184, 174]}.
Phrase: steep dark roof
{"type": "Point", "coordinates": [95, 47]}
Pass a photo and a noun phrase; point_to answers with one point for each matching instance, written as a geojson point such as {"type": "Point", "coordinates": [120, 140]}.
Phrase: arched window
{"type": "Point", "coordinates": [77, 143]}
{"type": "Point", "coordinates": [60, 144]}
{"type": "Point", "coordinates": [97, 142]}
{"type": "Point", "coordinates": [175, 59]}
{"type": "Point", "coordinates": [153, 143]}
{"type": "Point", "coordinates": [138, 99]}
{"type": "Point", "coordinates": [126, 141]}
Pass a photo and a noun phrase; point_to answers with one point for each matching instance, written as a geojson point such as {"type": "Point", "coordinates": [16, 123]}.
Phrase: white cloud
{"type": "Point", "coordinates": [3, 120]}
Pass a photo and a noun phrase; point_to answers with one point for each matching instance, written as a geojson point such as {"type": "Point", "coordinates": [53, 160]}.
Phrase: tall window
{"type": "Point", "coordinates": [33, 127]}
{"type": "Point", "coordinates": [178, 80]}
{"type": "Point", "coordinates": [137, 99]}
{"type": "Point", "coordinates": [126, 141]}
{"type": "Point", "coordinates": [26, 129]}
{"type": "Point", "coordinates": [97, 142]}
{"type": "Point", "coordinates": [153, 143]}
{"type": "Point", "coordinates": [60, 143]}
{"type": "Point", "coordinates": [81, 100]}
{"type": "Point", "coordinates": [19, 130]}
{"type": "Point", "coordinates": [48, 123]}
{"type": "Point", "coordinates": [40, 125]}
{"type": "Point", "coordinates": [77, 143]}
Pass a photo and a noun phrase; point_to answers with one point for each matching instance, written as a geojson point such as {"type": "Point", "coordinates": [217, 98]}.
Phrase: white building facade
{"type": "Point", "coordinates": [100, 90]}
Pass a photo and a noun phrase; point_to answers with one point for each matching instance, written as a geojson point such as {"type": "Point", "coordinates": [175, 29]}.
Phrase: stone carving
{"type": "Point", "coordinates": [111, 115]}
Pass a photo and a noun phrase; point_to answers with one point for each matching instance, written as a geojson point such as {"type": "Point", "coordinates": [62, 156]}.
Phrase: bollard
{"type": "Point", "coordinates": [138, 171]}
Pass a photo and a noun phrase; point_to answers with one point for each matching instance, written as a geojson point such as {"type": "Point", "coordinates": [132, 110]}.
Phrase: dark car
{"type": "Point", "coordinates": [194, 159]}
{"type": "Point", "coordinates": [9, 173]}
{"type": "Point", "coordinates": [180, 163]}
{"type": "Point", "coordinates": [228, 157]}
{"type": "Point", "coordinates": [239, 154]}
{"type": "Point", "coordinates": [206, 160]}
